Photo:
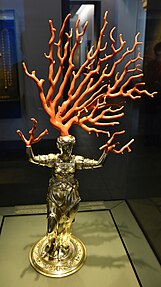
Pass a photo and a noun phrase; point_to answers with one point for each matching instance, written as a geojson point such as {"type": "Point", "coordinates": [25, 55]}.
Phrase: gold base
{"type": "Point", "coordinates": [61, 265]}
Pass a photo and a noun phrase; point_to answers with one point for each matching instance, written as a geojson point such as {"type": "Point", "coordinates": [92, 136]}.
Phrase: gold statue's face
{"type": "Point", "coordinates": [65, 145]}
{"type": "Point", "coordinates": [67, 149]}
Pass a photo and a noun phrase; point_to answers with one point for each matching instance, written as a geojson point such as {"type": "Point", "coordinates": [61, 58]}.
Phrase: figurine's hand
{"type": "Point", "coordinates": [106, 147]}
{"type": "Point", "coordinates": [32, 139]}
{"type": "Point", "coordinates": [27, 142]}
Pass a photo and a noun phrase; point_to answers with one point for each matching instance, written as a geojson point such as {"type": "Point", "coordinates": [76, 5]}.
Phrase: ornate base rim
{"type": "Point", "coordinates": [59, 268]}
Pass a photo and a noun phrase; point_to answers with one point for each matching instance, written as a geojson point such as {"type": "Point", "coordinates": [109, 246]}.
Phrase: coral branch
{"type": "Point", "coordinates": [39, 84]}
{"type": "Point", "coordinates": [32, 138]}
{"type": "Point", "coordinates": [95, 87]}
{"type": "Point", "coordinates": [111, 147]}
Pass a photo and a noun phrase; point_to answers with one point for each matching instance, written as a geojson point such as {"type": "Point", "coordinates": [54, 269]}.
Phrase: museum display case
{"type": "Point", "coordinates": [120, 203]}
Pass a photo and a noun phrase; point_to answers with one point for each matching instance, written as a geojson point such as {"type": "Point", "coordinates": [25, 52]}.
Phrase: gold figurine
{"type": "Point", "coordinates": [96, 104]}
{"type": "Point", "coordinates": [59, 253]}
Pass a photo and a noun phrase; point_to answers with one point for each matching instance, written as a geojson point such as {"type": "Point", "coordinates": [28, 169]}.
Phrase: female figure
{"type": "Point", "coordinates": [63, 196]}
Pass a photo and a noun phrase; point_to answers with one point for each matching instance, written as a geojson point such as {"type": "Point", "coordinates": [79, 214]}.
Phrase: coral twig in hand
{"type": "Point", "coordinates": [32, 138]}
{"type": "Point", "coordinates": [111, 147]}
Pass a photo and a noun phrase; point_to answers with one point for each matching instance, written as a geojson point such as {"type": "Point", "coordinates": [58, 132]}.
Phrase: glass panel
{"type": "Point", "coordinates": [84, 12]}
{"type": "Point", "coordinates": [133, 177]}
{"type": "Point", "coordinates": [8, 56]}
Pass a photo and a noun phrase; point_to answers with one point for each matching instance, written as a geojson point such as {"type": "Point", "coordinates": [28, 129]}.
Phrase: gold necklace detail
{"type": "Point", "coordinates": [6, 58]}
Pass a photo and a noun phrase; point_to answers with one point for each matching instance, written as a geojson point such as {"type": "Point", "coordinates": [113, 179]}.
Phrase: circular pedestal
{"type": "Point", "coordinates": [61, 265]}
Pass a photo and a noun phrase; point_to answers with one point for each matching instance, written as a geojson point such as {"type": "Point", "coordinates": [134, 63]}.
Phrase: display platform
{"type": "Point", "coordinates": [117, 251]}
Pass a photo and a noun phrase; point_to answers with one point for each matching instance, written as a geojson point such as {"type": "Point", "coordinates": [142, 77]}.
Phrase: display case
{"type": "Point", "coordinates": [120, 212]}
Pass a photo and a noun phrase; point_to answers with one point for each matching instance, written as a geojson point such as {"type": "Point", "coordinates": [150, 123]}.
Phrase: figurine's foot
{"type": "Point", "coordinates": [47, 249]}
{"type": "Point", "coordinates": [60, 262]}
{"type": "Point", "coordinates": [48, 252]}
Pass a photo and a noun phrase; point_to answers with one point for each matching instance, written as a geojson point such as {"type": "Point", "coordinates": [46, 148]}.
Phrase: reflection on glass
{"type": "Point", "coordinates": [84, 12]}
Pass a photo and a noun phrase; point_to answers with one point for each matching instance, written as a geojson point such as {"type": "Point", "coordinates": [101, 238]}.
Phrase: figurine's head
{"type": "Point", "coordinates": [65, 144]}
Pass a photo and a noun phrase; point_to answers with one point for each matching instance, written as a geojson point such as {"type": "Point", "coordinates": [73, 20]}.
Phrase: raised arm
{"type": "Point", "coordinates": [44, 160]}
{"type": "Point", "coordinates": [87, 163]}
{"type": "Point", "coordinates": [110, 146]}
